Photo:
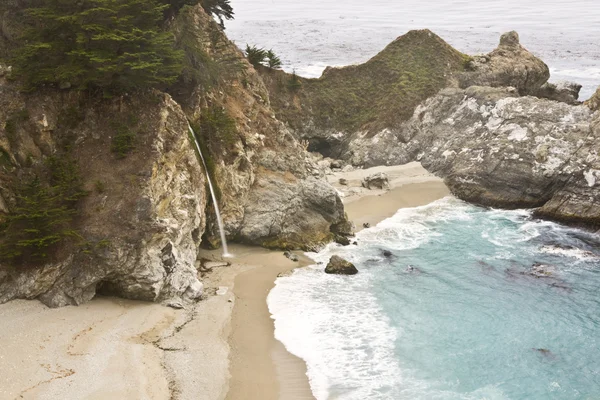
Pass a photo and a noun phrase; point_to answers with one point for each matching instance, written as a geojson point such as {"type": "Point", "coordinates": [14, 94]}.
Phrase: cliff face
{"type": "Point", "coordinates": [498, 149]}
{"type": "Point", "coordinates": [145, 212]}
{"type": "Point", "coordinates": [594, 102]}
{"type": "Point", "coordinates": [272, 194]}
{"type": "Point", "coordinates": [140, 222]}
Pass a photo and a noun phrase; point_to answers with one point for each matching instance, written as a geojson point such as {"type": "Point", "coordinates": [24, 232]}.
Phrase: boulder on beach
{"type": "Point", "coordinates": [378, 181]}
{"type": "Point", "coordinates": [337, 265]}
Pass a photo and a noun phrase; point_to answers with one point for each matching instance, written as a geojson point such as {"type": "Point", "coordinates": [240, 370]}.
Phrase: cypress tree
{"type": "Point", "coordinates": [219, 8]}
{"type": "Point", "coordinates": [97, 44]}
{"type": "Point", "coordinates": [43, 215]}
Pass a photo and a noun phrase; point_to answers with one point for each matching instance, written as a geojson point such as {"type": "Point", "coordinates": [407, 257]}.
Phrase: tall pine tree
{"type": "Point", "coordinates": [114, 45]}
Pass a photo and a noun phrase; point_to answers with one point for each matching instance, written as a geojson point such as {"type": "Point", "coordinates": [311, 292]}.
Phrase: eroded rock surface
{"type": "Point", "coordinates": [508, 65]}
{"type": "Point", "coordinates": [379, 180]}
{"type": "Point", "coordinates": [495, 148]}
{"type": "Point", "coordinates": [594, 102]}
{"type": "Point", "coordinates": [146, 213]}
{"type": "Point", "coordinates": [139, 222]}
{"type": "Point", "coordinates": [355, 113]}
{"type": "Point", "coordinates": [567, 92]}
{"type": "Point", "coordinates": [272, 192]}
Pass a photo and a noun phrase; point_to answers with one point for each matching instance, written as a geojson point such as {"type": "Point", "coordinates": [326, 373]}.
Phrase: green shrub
{"type": "Point", "coordinates": [261, 57]}
{"type": "Point", "coordinates": [221, 9]}
{"type": "Point", "coordinates": [256, 56]}
{"type": "Point", "coordinates": [217, 127]}
{"type": "Point", "coordinates": [44, 214]}
{"type": "Point", "coordinates": [111, 45]}
{"type": "Point", "coordinates": [70, 117]}
{"type": "Point", "coordinates": [5, 160]}
{"type": "Point", "coordinates": [123, 142]}
{"type": "Point", "coordinates": [273, 61]}
{"type": "Point", "coordinates": [100, 186]}
{"type": "Point", "coordinates": [294, 82]}
{"type": "Point", "coordinates": [12, 123]}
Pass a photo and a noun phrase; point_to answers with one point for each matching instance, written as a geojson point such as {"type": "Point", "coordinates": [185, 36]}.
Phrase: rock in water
{"type": "Point", "coordinates": [379, 181]}
{"type": "Point", "coordinates": [291, 256]}
{"type": "Point", "coordinates": [497, 149]}
{"type": "Point", "coordinates": [337, 265]}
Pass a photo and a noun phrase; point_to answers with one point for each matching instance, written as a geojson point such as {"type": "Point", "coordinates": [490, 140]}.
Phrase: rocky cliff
{"type": "Point", "coordinates": [498, 149]}
{"type": "Point", "coordinates": [139, 223]}
{"type": "Point", "coordinates": [271, 192]}
{"type": "Point", "coordinates": [143, 211]}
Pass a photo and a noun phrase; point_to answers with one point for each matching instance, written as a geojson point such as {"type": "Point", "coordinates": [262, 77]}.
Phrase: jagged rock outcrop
{"type": "Point", "coordinates": [381, 93]}
{"type": "Point", "coordinates": [498, 149]}
{"type": "Point", "coordinates": [498, 133]}
{"type": "Point", "coordinates": [139, 224]}
{"type": "Point", "coordinates": [594, 102]}
{"type": "Point", "coordinates": [146, 213]}
{"type": "Point", "coordinates": [508, 65]}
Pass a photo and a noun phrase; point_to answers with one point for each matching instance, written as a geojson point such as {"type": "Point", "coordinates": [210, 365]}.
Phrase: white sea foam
{"type": "Point", "coordinates": [339, 326]}
{"type": "Point", "coordinates": [335, 323]}
{"type": "Point", "coordinates": [569, 252]}
{"type": "Point", "coordinates": [336, 326]}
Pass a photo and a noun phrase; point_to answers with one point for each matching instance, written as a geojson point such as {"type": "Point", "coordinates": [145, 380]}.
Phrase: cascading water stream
{"type": "Point", "coordinates": [214, 197]}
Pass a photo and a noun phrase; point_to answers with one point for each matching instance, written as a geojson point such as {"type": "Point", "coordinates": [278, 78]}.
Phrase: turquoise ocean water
{"type": "Point", "coordinates": [497, 305]}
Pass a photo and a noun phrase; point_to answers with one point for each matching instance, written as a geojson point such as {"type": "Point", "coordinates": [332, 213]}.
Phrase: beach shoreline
{"type": "Point", "coordinates": [256, 355]}
{"type": "Point", "coordinates": [223, 347]}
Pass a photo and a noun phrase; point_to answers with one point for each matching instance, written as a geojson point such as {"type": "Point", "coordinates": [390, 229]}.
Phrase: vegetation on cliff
{"type": "Point", "coordinates": [101, 44]}
{"type": "Point", "coordinates": [260, 57]}
{"type": "Point", "coordinates": [372, 96]}
{"type": "Point", "coordinates": [43, 214]}
{"type": "Point", "coordinates": [109, 45]}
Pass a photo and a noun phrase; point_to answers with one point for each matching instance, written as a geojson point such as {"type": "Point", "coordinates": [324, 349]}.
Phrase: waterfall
{"type": "Point", "coordinates": [214, 197]}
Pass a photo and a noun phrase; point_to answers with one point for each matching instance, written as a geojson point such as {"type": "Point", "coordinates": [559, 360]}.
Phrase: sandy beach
{"type": "Point", "coordinates": [221, 348]}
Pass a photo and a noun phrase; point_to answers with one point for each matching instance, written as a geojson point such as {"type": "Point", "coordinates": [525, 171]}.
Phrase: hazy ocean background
{"type": "Point", "coordinates": [472, 321]}
{"type": "Point", "coordinates": [312, 34]}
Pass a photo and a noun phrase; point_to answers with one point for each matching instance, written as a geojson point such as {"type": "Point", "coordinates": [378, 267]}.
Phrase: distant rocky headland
{"type": "Point", "coordinates": [490, 125]}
